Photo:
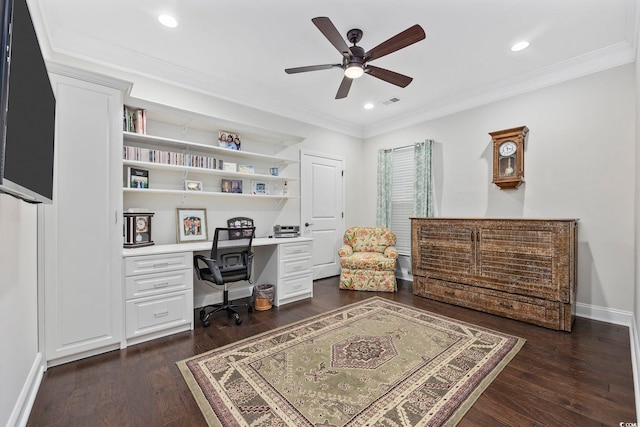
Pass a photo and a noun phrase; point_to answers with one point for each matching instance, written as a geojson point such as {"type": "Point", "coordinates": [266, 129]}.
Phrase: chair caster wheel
{"type": "Point", "coordinates": [206, 323]}
{"type": "Point", "coordinates": [250, 310]}
{"type": "Point", "coordinates": [238, 319]}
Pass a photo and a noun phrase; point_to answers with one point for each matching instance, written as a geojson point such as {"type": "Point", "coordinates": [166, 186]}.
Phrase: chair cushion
{"type": "Point", "coordinates": [368, 261]}
{"type": "Point", "coordinates": [369, 239]}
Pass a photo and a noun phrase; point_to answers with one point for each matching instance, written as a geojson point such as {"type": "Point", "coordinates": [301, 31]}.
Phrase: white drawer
{"type": "Point", "coordinates": [158, 283]}
{"type": "Point", "coordinates": [149, 315]}
{"type": "Point", "coordinates": [157, 263]}
{"type": "Point", "coordinates": [294, 286]}
{"type": "Point", "coordinates": [289, 267]}
{"type": "Point", "coordinates": [295, 250]}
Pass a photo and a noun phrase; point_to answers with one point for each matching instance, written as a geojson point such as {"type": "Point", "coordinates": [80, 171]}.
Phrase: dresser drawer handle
{"type": "Point", "coordinates": [298, 286]}
{"type": "Point", "coordinates": [161, 265]}
{"type": "Point", "coordinates": [504, 304]}
{"type": "Point", "coordinates": [449, 293]}
{"type": "Point", "coordinates": [161, 314]}
{"type": "Point", "coordinates": [297, 267]}
{"type": "Point", "coordinates": [161, 285]}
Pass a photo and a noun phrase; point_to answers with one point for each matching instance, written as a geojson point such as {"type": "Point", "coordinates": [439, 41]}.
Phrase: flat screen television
{"type": "Point", "coordinates": [27, 134]}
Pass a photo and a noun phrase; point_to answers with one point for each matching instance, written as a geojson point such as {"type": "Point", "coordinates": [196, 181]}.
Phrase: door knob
{"type": "Point", "coordinates": [306, 224]}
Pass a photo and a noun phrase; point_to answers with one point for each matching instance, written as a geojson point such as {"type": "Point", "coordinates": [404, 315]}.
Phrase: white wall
{"type": "Point", "coordinates": [19, 358]}
{"type": "Point", "coordinates": [579, 163]}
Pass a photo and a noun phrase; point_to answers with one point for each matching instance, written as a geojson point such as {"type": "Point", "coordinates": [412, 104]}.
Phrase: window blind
{"type": "Point", "coordinates": [403, 177]}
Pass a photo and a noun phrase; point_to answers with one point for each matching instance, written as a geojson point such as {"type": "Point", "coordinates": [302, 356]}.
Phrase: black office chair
{"type": "Point", "coordinates": [229, 262]}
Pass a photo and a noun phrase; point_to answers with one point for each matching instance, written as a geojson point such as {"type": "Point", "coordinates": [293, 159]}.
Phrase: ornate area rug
{"type": "Point", "coordinates": [373, 363]}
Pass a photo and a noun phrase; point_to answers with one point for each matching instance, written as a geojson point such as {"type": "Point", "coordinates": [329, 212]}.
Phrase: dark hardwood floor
{"type": "Point", "coordinates": [582, 378]}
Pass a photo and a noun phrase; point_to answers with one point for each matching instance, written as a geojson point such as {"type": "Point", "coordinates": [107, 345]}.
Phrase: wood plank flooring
{"type": "Point", "coordinates": [582, 378]}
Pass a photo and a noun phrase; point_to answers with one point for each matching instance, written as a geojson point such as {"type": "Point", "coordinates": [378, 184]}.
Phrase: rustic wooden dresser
{"type": "Point", "coordinates": [524, 269]}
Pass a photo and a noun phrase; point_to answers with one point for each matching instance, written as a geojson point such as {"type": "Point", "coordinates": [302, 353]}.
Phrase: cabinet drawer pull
{"type": "Point", "coordinates": [449, 293]}
{"type": "Point", "coordinates": [161, 265]}
{"type": "Point", "coordinates": [298, 286]}
{"type": "Point", "coordinates": [161, 285]}
{"type": "Point", "coordinates": [504, 304]}
{"type": "Point", "coordinates": [161, 314]}
{"type": "Point", "coordinates": [297, 267]}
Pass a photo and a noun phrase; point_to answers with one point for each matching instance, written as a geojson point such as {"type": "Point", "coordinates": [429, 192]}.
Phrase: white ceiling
{"type": "Point", "coordinates": [238, 50]}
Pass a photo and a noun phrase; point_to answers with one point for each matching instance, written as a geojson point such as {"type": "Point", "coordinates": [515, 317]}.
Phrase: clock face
{"type": "Point", "coordinates": [141, 224]}
{"type": "Point", "coordinates": [507, 148]}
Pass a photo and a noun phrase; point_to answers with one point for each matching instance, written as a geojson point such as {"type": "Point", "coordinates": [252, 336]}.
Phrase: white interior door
{"type": "Point", "coordinates": [322, 189]}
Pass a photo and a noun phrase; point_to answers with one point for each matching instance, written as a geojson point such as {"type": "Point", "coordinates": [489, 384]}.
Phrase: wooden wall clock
{"type": "Point", "coordinates": [508, 156]}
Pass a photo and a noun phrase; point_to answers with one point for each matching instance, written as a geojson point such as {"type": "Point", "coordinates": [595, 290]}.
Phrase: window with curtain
{"type": "Point", "coordinates": [402, 197]}
{"type": "Point", "coordinates": [404, 189]}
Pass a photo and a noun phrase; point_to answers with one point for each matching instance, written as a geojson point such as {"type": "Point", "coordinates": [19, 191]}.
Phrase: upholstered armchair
{"type": "Point", "coordinates": [368, 259]}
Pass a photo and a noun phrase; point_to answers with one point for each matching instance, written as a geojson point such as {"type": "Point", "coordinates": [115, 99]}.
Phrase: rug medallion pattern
{"type": "Point", "coordinates": [373, 363]}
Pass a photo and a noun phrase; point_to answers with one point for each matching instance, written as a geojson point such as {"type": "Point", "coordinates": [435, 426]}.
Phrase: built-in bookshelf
{"type": "Point", "coordinates": [172, 158]}
{"type": "Point", "coordinates": [186, 158]}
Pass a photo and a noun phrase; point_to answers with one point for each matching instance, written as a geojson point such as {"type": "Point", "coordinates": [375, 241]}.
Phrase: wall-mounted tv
{"type": "Point", "coordinates": [27, 104]}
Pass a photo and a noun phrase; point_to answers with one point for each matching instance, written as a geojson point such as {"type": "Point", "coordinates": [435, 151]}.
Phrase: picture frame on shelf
{"type": "Point", "coordinates": [259, 187]}
{"type": "Point", "coordinates": [190, 185]}
{"type": "Point", "coordinates": [191, 224]}
{"type": "Point", "coordinates": [246, 169]}
{"type": "Point", "coordinates": [230, 167]}
{"type": "Point", "coordinates": [137, 178]}
{"type": "Point", "coordinates": [231, 186]}
{"type": "Point", "coordinates": [229, 140]}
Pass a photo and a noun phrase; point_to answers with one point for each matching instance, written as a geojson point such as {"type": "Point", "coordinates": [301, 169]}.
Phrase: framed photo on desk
{"type": "Point", "coordinates": [239, 222]}
{"type": "Point", "coordinates": [192, 224]}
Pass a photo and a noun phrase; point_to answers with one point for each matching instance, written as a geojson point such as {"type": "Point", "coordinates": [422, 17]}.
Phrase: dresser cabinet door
{"type": "Point", "coordinates": [443, 249]}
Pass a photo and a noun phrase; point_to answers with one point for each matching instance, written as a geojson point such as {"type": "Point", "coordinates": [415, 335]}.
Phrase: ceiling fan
{"type": "Point", "coordinates": [355, 61]}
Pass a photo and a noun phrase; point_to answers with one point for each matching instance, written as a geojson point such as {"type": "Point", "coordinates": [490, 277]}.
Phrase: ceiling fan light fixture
{"type": "Point", "coordinates": [353, 71]}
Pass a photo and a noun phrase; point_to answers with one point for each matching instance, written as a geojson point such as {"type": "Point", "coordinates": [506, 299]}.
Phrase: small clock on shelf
{"type": "Point", "coordinates": [137, 229]}
{"type": "Point", "coordinates": [508, 156]}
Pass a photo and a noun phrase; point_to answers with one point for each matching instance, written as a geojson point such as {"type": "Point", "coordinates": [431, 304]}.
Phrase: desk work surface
{"type": "Point", "coordinates": [206, 246]}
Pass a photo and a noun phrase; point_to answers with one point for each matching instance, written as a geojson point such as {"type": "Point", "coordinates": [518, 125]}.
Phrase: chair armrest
{"type": "Point", "coordinates": [345, 250]}
{"type": "Point", "coordinates": [212, 264]}
{"type": "Point", "coordinates": [391, 252]}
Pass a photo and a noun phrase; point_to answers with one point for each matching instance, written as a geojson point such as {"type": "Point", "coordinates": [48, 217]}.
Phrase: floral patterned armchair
{"type": "Point", "coordinates": [368, 259]}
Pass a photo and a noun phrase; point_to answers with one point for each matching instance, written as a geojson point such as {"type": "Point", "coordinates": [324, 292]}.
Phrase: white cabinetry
{"type": "Point", "coordinates": [83, 226]}
{"type": "Point", "coordinates": [295, 281]}
{"type": "Point", "coordinates": [159, 295]}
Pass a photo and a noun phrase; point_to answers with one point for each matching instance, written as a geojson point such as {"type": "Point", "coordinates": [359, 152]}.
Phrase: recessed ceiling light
{"type": "Point", "coordinates": [368, 106]}
{"type": "Point", "coordinates": [168, 21]}
{"type": "Point", "coordinates": [520, 46]}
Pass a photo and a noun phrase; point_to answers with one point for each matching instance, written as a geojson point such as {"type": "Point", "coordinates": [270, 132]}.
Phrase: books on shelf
{"type": "Point", "coordinates": [134, 120]}
{"type": "Point", "coordinates": [137, 178]}
{"type": "Point", "coordinates": [168, 157]}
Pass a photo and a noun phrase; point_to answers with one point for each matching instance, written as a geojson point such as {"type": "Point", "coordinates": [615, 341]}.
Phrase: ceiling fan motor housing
{"type": "Point", "coordinates": [354, 35]}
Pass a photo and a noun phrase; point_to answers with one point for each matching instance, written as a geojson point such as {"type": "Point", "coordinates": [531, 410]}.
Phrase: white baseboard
{"type": "Point", "coordinates": [22, 409]}
{"type": "Point", "coordinates": [635, 364]}
{"type": "Point", "coordinates": [604, 314]}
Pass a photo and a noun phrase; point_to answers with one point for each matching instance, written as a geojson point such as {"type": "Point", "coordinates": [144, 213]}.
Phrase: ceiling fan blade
{"type": "Point", "coordinates": [389, 76]}
{"type": "Point", "coordinates": [343, 90]}
{"type": "Point", "coordinates": [311, 68]}
{"type": "Point", "coordinates": [397, 42]}
{"type": "Point", "coordinates": [329, 30]}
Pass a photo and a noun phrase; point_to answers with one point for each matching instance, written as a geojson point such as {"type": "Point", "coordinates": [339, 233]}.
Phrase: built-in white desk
{"type": "Point", "coordinates": [161, 289]}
